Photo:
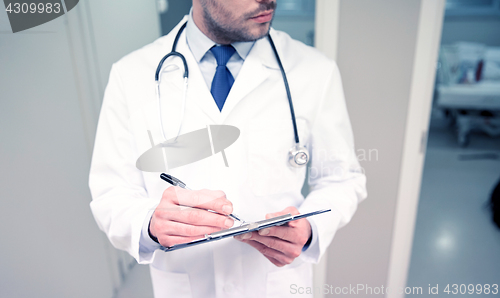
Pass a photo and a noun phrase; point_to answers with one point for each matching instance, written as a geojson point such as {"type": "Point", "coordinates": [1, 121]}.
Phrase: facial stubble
{"type": "Point", "coordinates": [236, 30]}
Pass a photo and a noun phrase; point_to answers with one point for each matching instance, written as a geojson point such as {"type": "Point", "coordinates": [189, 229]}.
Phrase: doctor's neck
{"type": "Point", "coordinates": [229, 21]}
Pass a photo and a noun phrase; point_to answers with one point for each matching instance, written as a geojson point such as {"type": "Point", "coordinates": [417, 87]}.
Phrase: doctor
{"type": "Point", "coordinates": [234, 79]}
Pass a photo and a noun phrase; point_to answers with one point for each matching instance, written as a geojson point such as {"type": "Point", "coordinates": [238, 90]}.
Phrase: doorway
{"type": "Point", "coordinates": [456, 243]}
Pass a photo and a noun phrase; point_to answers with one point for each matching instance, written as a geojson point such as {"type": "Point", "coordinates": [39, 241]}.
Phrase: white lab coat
{"type": "Point", "coordinates": [258, 179]}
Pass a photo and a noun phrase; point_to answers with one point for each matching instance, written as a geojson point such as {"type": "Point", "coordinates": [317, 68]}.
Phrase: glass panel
{"type": "Point", "coordinates": [176, 10]}
{"type": "Point", "coordinates": [295, 7]}
{"type": "Point", "coordinates": [469, 3]}
{"type": "Point", "coordinates": [296, 17]}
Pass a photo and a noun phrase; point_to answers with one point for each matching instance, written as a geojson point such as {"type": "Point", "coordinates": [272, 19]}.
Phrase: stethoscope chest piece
{"type": "Point", "coordinates": [298, 156]}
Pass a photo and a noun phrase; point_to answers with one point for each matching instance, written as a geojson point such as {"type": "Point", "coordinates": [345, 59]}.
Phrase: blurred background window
{"type": "Point", "coordinates": [473, 7]}
{"type": "Point", "coordinates": [296, 17]}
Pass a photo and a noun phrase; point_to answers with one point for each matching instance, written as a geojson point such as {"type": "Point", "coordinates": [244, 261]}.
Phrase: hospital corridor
{"type": "Point", "coordinates": [454, 233]}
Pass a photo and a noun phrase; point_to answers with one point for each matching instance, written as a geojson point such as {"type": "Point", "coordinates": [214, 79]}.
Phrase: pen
{"type": "Point", "coordinates": [176, 182]}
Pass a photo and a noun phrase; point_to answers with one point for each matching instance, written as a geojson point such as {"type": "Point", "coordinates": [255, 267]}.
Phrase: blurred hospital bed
{"type": "Point", "coordinates": [468, 88]}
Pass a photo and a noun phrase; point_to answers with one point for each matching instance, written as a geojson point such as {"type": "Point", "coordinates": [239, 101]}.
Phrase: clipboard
{"type": "Point", "coordinates": [246, 228]}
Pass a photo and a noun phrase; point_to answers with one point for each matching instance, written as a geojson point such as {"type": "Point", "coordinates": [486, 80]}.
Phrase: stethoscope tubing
{"type": "Point", "coordinates": [186, 76]}
{"type": "Point", "coordinates": [287, 88]}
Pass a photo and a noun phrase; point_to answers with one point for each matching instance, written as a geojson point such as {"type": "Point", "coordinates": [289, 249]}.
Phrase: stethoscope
{"type": "Point", "coordinates": [298, 155]}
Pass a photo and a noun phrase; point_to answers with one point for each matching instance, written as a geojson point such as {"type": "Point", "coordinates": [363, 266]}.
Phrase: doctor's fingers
{"type": "Point", "coordinates": [276, 257]}
{"type": "Point", "coordinates": [180, 229]}
{"type": "Point", "coordinates": [290, 249]}
{"type": "Point", "coordinates": [206, 199]}
{"type": "Point", "coordinates": [197, 217]}
{"type": "Point", "coordinates": [169, 240]}
{"type": "Point", "coordinates": [284, 232]}
{"type": "Point", "coordinates": [294, 234]}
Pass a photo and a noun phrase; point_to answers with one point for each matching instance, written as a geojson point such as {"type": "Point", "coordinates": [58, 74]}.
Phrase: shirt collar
{"type": "Point", "coordinates": [200, 44]}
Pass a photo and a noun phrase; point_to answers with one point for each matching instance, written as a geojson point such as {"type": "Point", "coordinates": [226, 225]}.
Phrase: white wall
{"type": "Point", "coordinates": [376, 54]}
{"type": "Point", "coordinates": [50, 244]}
{"type": "Point", "coordinates": [51, 82]}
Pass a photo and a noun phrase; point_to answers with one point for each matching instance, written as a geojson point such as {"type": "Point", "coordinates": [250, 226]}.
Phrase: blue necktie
{"type": "Point", "coordinates": [223, 80]}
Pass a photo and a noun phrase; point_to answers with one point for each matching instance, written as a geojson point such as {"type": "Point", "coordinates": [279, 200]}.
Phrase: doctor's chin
{"type": "Point", "coordinates": [250, 148]}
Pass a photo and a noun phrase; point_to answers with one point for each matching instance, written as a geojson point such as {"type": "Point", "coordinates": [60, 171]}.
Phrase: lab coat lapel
{"type": "Point", "coordinates": [255, 70]}
{"type": "Point", "coordinates": [258, 65]}
{"type": "Point", "coordinates": [198, 91]}
{"type": "Point", "coordinates": [198, 94]}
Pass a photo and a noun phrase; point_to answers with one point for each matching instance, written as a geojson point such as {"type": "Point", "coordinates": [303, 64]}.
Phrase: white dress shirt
{"type": "Point", "coordinates": [200, 46]}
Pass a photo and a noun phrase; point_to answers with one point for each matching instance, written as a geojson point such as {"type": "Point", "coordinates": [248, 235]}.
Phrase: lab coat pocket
{"type": "Point", "coordinates": [268, 147]}
{"type": "Point", "coordinates": [290, 282]}
{"type": "Point", "coordinates": [170, 284]}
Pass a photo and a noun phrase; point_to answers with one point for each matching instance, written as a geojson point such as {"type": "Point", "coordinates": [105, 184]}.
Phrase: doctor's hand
{"type": "Point", "coordinates": [183, 216]}
{"type": "Point", "coordinates": [280, 244]}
